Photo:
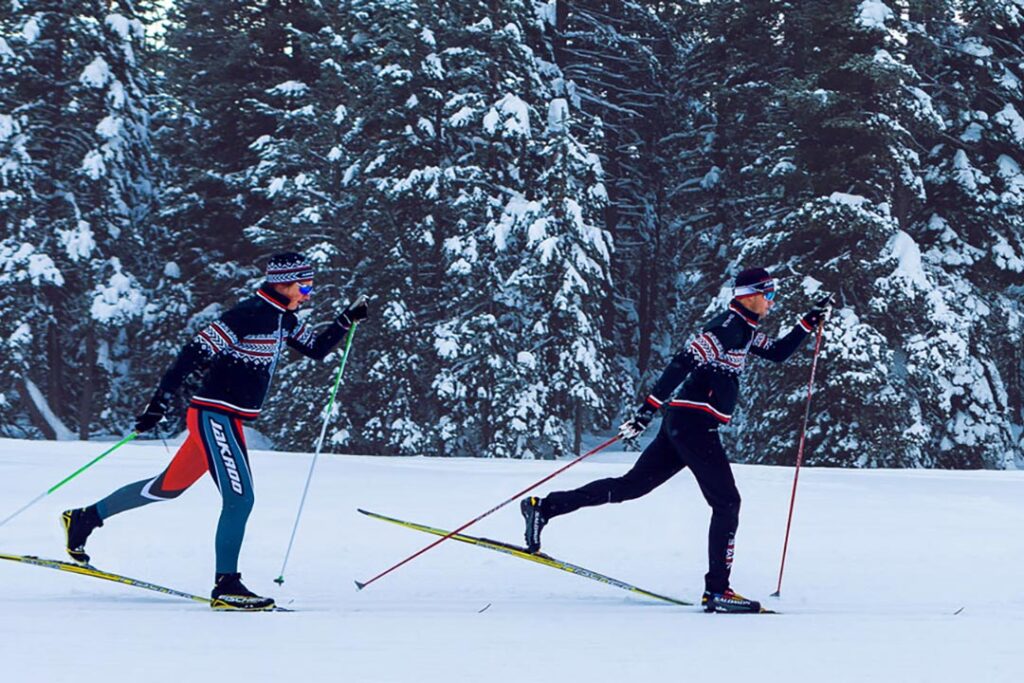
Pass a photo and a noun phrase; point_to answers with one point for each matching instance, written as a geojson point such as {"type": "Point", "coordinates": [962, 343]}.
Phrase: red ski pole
{"type": "Point", "coordinates": [799, 456]}
{"type": "Point", "coordinates": [609, 442]}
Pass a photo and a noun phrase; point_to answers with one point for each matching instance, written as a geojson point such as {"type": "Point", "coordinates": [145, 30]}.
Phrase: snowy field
{"type": "Point", "coordinates": [880, 563]}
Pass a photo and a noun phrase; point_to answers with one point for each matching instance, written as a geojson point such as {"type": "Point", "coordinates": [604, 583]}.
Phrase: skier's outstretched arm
{"type": "Point", "coordinates": [781, 349]}
{"type": "Point", "coordinates": [317, 346]}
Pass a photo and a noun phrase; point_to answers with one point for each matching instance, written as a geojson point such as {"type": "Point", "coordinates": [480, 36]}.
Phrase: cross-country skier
{"type": "Point", "coordinates": [710, 364]}
{"type": "Point", "coordinates": [237, 354]}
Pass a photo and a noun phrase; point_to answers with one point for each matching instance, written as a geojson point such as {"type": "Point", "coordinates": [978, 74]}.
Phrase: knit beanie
{"type": "Point", "coordinates": [289, 267]}
{"type": "Point", "coordinates": [753, 281]}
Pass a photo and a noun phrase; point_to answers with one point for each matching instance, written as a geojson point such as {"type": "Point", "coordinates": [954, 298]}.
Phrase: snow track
{"type": "Point", "coordinates": [879, 563]}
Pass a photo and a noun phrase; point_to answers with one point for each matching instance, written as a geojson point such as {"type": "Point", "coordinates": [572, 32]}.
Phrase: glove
{"type": "Point", "coordinates": [822, 309]}
{"type": "Point", "coordinates": [154, 412]}
{"type": "Point", "coordinates": [353, 313]}
{"type": "Point", "coordinates": [635, 426]}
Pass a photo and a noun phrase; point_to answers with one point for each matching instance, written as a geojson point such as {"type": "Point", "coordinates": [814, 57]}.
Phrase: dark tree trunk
{"type": "Point", "coordinates": [85, 398]}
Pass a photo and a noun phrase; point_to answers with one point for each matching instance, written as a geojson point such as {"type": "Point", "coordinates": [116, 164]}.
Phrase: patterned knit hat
{"type": "Point", "coordinates": [289, 267]}
{"type": "Point", "coordinates": [753, 281]}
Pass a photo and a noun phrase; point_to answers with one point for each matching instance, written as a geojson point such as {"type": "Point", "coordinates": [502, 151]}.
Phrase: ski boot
{"type": "Point", "coordinates": [78, 524]}
{"type": "Point", "coordinates": [532, 509]}
{"type": "Point", "coordinates": [231, 594]}
{"type": "Point", "coordinates": [729, 602]}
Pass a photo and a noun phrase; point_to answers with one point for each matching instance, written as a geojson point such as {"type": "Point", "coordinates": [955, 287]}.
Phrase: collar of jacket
{"type": "Point", "coordinates": [751, 318]}
{"type": "Point", "coordinates": [268, 294]}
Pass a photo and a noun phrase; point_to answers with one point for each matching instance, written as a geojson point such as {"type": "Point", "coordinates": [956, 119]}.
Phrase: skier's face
{"type": "Point", "coordinates": [759, 304]}
{"type": "Point", "coordinates": [298, 293]}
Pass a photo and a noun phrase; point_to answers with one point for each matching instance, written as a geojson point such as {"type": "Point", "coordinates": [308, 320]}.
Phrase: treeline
{"type": "Point", "coordinates": [544, 199]}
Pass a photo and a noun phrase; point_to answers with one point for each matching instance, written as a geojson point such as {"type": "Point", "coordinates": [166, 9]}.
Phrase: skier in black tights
{"type": "Point", "coordinates": [710, 364]}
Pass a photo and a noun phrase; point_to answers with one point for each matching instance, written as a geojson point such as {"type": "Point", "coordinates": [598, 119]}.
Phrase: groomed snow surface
{"type": "Point", "coordinates": [879, 564]}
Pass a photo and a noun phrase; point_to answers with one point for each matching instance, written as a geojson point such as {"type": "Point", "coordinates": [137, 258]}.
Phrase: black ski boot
{"type": "Point", "coordinates": [78, 524]}
{"type": "Point", "coordinates": [532, 508]}
{"type": "Point", "coordinates": [729, 602]}
{"type": "Point", "coordinates": [231, 594]}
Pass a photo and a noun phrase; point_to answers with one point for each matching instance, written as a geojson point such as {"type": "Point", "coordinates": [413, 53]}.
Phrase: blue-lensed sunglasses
{"type": "Point", "coordinates": [304, 290]}
{"type": "Point", "coordinates": [770, 295]}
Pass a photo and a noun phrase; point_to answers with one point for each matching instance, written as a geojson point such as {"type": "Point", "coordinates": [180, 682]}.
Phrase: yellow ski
{"type": "Point", "coordinates": [89, 570]}
{"type": "Point", "coordinates": [539, 558]}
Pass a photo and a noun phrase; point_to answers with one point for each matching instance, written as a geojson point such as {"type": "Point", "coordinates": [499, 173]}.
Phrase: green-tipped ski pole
{"type": "Point", "coordinates": [319, 444]}
{"type": "Point", "coordinates": [71, 476]}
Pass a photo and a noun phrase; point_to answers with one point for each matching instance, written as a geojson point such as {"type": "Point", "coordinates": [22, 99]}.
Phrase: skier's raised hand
{"type": "Point", "coordinates": [354, 313]}
{"type": "Point", "coordinates": [821, 310]}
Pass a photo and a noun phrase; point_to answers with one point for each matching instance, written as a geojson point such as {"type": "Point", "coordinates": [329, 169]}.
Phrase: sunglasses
{"type": "Point", "coordinates": [770, 295]}
{"type": "Point", "coordinates": [304, 290]}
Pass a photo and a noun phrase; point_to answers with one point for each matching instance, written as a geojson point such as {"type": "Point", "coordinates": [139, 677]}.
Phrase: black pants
{"type": "Point", "coordinates": [685, 440]}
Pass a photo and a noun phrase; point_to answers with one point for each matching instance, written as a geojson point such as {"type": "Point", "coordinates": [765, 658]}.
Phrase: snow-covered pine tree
{"type": "Point", "coordinates": [491, 386]}
{"type": "Point", "coordinates": [563, 279]}
{"type": "Point", "coordinates": [616, 57]}
{"type": "Point", "coordinates": [331, 171]}
{"type": "Point", "coordinates": [396, 166]}
{"type": "Point", "coordinates": [218, 61]}
{"type": "Point", "coordinates": [900, 376]}
{"type": "Point", "coordinates": [26, 267]}
{"type": "Point", "coordinates": [972, 231]}
{"type": "Point", "coordinates": [82, 95]}
{"type": "Point", "coordinates": [525, 367]}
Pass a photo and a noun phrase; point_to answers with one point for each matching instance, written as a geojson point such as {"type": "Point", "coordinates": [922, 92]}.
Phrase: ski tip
{"type": "Point", "coordinates": [362, 511]}
{"type": "Point", "coordinates": [279, 580]}
{"type": "Point", "coordinates": [359, 586]}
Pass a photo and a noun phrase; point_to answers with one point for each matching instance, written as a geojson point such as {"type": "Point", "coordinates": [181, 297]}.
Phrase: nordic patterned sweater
{"type": "Point", "coordinates": [713, 361]}
{"type": "Point", "coordinates": [240, 351]}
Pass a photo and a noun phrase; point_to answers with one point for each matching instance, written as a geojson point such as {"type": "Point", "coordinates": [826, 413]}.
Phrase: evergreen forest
{"type": "Point", "coordinates": [544, 200]}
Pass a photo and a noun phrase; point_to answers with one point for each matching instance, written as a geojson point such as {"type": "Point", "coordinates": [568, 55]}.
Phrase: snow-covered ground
{"type": "Point", "coordinates": [880, 563]}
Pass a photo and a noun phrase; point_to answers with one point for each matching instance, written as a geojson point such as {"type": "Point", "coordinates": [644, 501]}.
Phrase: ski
{"type": "Point", "coordinates": [89, 570]}
{"type": "Point", "coordinates": [539, 558]}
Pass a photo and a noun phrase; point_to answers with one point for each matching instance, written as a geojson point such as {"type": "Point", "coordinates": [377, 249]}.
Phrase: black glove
{"type": "Point", "coordinates": [635, 426]}
{"type": "Point", "coordinates": [154, 412]}
{"type": "Point", "coordinates": [822, 307]}
{"type": "Point", "coordinates": [353, 313]}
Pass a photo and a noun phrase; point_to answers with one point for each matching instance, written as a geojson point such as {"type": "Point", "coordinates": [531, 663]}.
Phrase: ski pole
{"type": "Point", "coordinates": [609, 442]}
{"type": "Point", "coordinates": [319, 444]}
{"type": "Point", "coordinates": [799, 456]}
{"type": "Point", "coordinates": [71, 476]}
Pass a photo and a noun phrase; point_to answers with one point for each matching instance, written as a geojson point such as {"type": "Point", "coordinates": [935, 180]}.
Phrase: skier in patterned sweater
{"type": "Point", "coordinates": [710, 364]}
{"type": "Point", "coordinates": [237, 354]}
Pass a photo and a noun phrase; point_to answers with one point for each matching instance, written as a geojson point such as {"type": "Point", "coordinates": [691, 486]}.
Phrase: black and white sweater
{"type": "Point", "coordinates": [712, 362]}
{"type": "Point", "coordinates": [241, 350]}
